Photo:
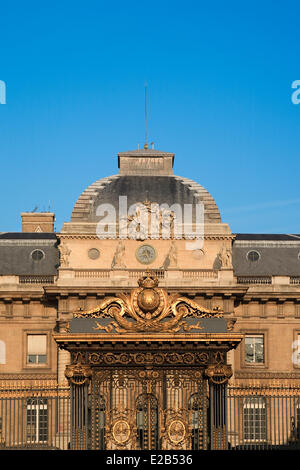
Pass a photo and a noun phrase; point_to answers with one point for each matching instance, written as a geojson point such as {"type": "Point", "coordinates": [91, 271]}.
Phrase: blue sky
{"type": "Point", "coordinates": [219, 78]}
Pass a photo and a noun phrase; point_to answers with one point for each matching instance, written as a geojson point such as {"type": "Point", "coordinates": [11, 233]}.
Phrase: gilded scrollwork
{"type": "Point", "coordinates": [149, 308]}
{"type": "Point", "coordinates": [148, 358]}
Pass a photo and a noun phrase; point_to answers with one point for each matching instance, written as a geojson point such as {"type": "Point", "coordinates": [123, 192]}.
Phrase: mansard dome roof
{"type": "Point", "coordinates": [144, 175]}
{"type": "Point", "coordinates": [159, 189]}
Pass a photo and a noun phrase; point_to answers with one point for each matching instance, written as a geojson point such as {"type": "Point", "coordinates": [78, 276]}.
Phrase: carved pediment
{"type": "Point", "coordinates": [149, 308]}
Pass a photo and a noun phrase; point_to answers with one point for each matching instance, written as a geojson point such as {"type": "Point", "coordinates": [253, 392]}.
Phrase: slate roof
{"type": "Point", "coordinates": [160, 189]}
{"type": "Point", "coordinates": [16, 250]}
{"type": "Point", "coordinates": [279, 255]}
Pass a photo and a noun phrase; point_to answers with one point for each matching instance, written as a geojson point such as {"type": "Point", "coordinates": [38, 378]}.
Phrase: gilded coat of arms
{"type": "Point", "coordinates": [148, 308]}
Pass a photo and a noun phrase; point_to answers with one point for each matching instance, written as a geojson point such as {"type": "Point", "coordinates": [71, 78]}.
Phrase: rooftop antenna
{"type": "Point", "coordinates": [145, 145]}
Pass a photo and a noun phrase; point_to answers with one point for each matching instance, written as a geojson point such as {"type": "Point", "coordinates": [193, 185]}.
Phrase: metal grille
{"type": "Point", "coordinates": [35, 418]}
{"type": "Point", "coordinates": [124, 410]}
{"type": "Point", "coordinates": [254, 279]}
{"type": "Point", "coordinates": [263, 418]}
{"type": "Point", "coordinates": [36, 279]}
{"type": "Point", "coordinates": [132, 410]}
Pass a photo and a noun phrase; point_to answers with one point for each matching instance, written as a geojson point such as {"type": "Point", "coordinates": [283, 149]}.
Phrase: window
{"type": "Point", "coordinates": [254, 349]}
{"type": "Point", "coordinates": [296, 351]}
{"type": "Point", "coordinates": [36, 349]}
{"type": "Point", "coordinates": [2, 352]}
{"type": "Point", "coordinates": [37, 255]}
{"type": "Point", "coordinates": [254, 414]}
{"type": "Point", "coordinates": [37, 420]}
{"type": "Point", "coordinates": [253, 256]}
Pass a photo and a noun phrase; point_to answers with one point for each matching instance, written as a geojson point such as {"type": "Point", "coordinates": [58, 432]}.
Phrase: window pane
{"type": "Point", "coordinates": [254, 419]}
{"type": "Point", "coordinates": [254, 349]}
{"type": "Point", "coordinates": [31, 359]}
{"type": "Point", "coordinates": [36, 344]}
{"type": "Point", "coordinates": [42, 359]}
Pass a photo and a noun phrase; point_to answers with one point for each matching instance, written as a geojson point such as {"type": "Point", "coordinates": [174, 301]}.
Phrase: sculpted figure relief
{"type": "Point", "coordinates": [225, 257]}
{"type": "Point", "coordinates": [64, 255]}
{"type": "Point", "coordinates": [152, 220]}
{"type": "Point", "coordinates": [171, 258]}
{"type": "Point", "coordinates": [118, 259]}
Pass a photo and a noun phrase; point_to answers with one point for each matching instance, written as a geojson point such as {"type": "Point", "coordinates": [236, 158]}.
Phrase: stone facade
{"type": "Point", "coordinates": [45, 277]}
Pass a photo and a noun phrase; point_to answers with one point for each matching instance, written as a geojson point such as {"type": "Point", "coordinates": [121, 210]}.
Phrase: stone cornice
{"type": "Point", "coordinates": [27, 242]}
{"type": "Point", "coordinates": [203, 339]}
{"type": "Point", "coordinates": [266, 375]}
{"type": "Point", "coordinates": [94, 236]}
{"type": "Point", "coordinates": [210, 291]}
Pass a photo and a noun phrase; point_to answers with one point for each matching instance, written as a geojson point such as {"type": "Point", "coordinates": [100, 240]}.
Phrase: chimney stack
{"type": "Point", "coordinates": [37, 221]}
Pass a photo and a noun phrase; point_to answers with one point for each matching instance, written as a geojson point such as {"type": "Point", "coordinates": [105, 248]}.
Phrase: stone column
{"type": "Point", "coordinates": [63, 357]}
{"type": "Point", "coordinates": [62, 438]}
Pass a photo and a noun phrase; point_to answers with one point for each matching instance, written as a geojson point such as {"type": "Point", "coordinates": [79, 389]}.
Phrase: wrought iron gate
{"type": "Point", "coordinates": [141, 409]}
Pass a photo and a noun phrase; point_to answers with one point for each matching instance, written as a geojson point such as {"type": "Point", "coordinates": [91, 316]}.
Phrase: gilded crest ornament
{"type": "Point", "coordinates": [176, 431]}
{"type": "Point", "coordinates": [121, 431]}
{"type": "Point", "coordinates": [148, 308]}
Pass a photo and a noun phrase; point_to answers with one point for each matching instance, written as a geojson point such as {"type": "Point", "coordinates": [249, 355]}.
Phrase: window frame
{"type": "Point", "coordinates": [254, 365]}
{"type": "Point", "coordinates": [31, 365]}
{"type": "Point", "coordinates": [259, 406]}
{"type": "Point", "coordinates": [296, 336]}
{"type": "Point", "coordinates": [253, 260]}
{"type": "Point", "coordinates": [37, 420]}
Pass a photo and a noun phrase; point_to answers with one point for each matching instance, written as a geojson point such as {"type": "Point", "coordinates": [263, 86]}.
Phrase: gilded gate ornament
{"type": "Point", "coordinates": [148, 308]}
{"type": "Point", "coordinates": [218, 373]}
{"type": "Point", "coordinates": [121, 431]}
{"type": "Point", "coordinates": [176, 431]}
{"type": "Point", "coordinates": [78, 373]}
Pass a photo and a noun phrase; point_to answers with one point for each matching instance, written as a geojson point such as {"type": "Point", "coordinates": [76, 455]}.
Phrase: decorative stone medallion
{"type": "Point", "coordinates": [93, 253]}
{"type": "Point", "coordinates": [146, 254]}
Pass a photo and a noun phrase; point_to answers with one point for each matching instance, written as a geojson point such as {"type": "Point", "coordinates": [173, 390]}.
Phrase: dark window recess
{"type": "Point", "coordinates": [37, 255]}
{"type": "Point", "coordinates": [253, 256]}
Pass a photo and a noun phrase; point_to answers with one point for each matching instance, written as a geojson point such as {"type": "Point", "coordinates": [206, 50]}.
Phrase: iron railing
{"type": "Point", "coordinates": [35, 418]}
{"type": "Point", "coordinates": [262, 418]}
{"type": "Point", "coordinates": [257, 418]}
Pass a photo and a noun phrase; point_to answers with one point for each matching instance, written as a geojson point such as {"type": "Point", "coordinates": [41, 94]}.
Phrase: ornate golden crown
{"type": "Point", "coordinates": [148, 281]}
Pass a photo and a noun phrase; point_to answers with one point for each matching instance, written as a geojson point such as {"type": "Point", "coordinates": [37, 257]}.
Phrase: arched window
{"type": "Point", "coordinates": [2, 352]}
